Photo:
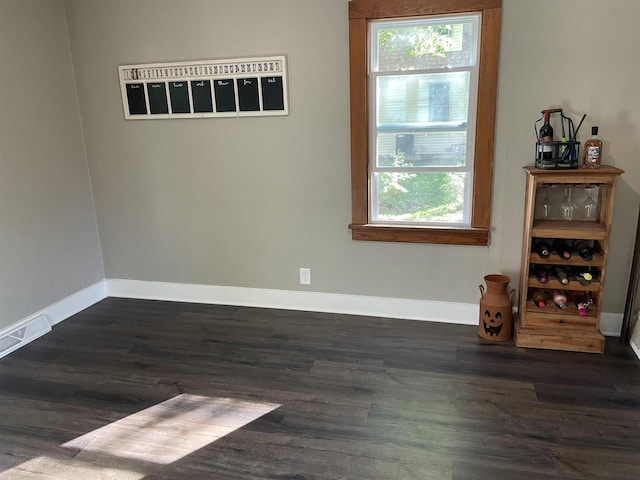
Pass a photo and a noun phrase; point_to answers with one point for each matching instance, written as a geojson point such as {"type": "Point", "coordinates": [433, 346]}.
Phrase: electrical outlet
{"type": "Point", "coordinates": [305, 276]}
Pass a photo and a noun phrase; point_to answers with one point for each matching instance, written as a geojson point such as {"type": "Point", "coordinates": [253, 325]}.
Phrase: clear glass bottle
{"type": "Point", "coordinates": [592, 153]}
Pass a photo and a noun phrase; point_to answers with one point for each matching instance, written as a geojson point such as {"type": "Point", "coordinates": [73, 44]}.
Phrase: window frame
{"type": "Point", "coordinates": [361, 13]}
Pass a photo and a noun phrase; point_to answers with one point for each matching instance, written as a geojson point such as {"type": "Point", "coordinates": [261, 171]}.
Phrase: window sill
{"type": "Point", "coordinates": [420, 234]}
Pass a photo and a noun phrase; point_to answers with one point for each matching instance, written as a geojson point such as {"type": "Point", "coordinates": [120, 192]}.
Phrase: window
{"type": "Point", "coordinates": [439, 100]}
{"type": "Point", "coordinates": [423, 89]}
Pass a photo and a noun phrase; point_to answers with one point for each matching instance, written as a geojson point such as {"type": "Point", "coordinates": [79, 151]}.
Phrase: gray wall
{"type": "Point", "coordinates": [246, 202]}
{"type": "Point", "coordinates": [49, 246]}
{"type": "Point", "coordinates": [580, 55]}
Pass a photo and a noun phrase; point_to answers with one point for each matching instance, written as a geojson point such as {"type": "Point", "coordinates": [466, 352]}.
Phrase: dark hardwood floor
{"type": "Point", "coordinates": [132, 389]}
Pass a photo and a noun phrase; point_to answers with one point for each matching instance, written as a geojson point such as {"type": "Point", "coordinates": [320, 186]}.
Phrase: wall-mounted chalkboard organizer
{"type": "Point", "coordinates": [205, 89]}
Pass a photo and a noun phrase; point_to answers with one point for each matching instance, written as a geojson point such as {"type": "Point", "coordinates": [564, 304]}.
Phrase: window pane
{"type": "Point", "coordinates": [420, 197]}
{"type": "Point", "coordinates": [435, 148]}
{"type": "Point", "coordinates": [423, 100]}
{"type": "Point", "coordinates": [420, 45]}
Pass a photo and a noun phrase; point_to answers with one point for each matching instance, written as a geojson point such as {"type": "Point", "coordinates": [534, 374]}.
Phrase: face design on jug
{"type": "Point", "coordinates": [492, 323]}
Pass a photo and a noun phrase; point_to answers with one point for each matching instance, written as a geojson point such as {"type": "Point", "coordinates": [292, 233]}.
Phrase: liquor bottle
{"type": "Point", "coordinates": [543, 248]}
{"type": "Point", "coordinates": [561, 273]}
{"type": "Point", "coordinates": [541, 273]}
{"type": "Point", "coordinates": [592, 153]}
{"type": "Point", "coordinates": [562, 249]}
{"type": "Point", "coordinates": [560, 299]}
{"type": "Point", "coordinates": [582, 302]}
{"type": "Point", "coordinates": [584, 249]}
{"type": "Point", "coordinates": [540, 298]}
{"type": "Point", "coordinates": [545, 150]}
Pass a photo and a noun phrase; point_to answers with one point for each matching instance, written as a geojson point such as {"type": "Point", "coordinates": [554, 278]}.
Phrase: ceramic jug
{"type": "Point", "coordinates": [496, 318]}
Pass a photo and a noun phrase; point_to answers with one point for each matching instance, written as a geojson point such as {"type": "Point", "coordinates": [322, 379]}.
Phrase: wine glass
{"type": "Point", "coordinates": [568, 206]}
{"type": "Point", "coordinates": [589, 207]}
{"type": "Point", "coordinates": [547, 205]}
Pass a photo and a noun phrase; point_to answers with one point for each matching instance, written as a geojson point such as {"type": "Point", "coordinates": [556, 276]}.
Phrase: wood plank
{"type": "Point", "coordinates": [574, 340]}
{"type": "Point", "coordinates": [486, 116]}
{"type": "Point", "coordinates": [359, 89]}
{"type": "Point", "coordinates": [575, 260]}
{"type": "Point", "coordinates": [568, 230]}
{"type": "Point", "coordinates": [419, 234]}
{"type": "Point", "coordinates": [411, 8]}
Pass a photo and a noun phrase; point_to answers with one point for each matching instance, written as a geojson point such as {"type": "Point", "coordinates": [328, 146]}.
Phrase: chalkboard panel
{"type": "Point", "coordinates": [157, 92]}
{"type": "Point", "coordinates": [201, 94]}
{"type": "Point", "coordinates": [248, 94]}
{"type": "Point", "coordinates": [232, 87]}
{"type": "Point", "coordinates": [225, 95]}
{"type": "Point", "coordinates": [272, 93]}
{"type": "Point", "coordinates": [179, 92]}
{"type": "Point", "coordinates": [136, 99]}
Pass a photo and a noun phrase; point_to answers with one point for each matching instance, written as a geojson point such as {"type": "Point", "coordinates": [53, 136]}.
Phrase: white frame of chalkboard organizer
{"type": "Point", "coordinates": [269, 73]}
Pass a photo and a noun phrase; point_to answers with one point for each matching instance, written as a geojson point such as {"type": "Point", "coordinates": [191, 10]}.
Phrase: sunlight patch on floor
{"type": "Point", "coordinates": [65, 468]}
{"type": "Point", "coordinates": [171, 430]}
{"type": "Point", "coordinates": [133, 447]}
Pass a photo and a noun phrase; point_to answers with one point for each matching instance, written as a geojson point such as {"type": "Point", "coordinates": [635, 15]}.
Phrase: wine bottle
{"type": "Point", "coordinates": [541, 274]}
{"type": "Point", "coordinates": [540, 298]}
{"type": "Point", "coordinates": [543, 249]}
{"type": "Point", "coordinates": [561, 273]}
{"type": "Point", "coordinates": [560, 299]}
{"type": "Point", "coordinates": [584, 249]}
{"type": "Point", "coordinates": [582, 302]}
{"type": "Point", "coordinates": [562, 248]}
{"type": "Point", "coordinates": [592, 152]}
{"type": "Point", "coordinates": [545, 151]}
{"type": "Point", "coordinates": [583, 275]}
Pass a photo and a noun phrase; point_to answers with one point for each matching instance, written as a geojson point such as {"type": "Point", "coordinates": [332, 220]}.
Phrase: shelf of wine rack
{"type": "Point", "coordinates": [574, 261]}
{"type": "Point", "coordinates": [569, 315]}
{"type": "Point", "coordinates": [573, 285]}
{"type": "Point", "coordinates": [563, 229]}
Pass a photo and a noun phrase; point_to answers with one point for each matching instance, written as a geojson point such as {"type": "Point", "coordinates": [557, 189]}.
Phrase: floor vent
{"type": "Point", "coordinates": [29, 331]}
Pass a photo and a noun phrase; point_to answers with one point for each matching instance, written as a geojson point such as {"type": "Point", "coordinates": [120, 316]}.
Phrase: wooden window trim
{"type": "Point", "coordinates": [361, 12]}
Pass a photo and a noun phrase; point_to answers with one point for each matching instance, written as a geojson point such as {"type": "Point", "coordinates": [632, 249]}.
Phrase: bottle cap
{"type": "Point", "coordinates": [594, 130]}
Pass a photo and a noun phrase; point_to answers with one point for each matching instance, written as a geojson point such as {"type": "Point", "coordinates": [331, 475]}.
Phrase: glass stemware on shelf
{"type": "Point", "coordinates": [546, 208]}
{"type": "Point", "coordinates": [589, 206]}
{"type": "Point", "coordinates": [568, 207]}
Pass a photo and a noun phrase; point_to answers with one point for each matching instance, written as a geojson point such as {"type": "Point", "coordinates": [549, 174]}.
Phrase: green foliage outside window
{"type": "Point", "coordinates": [417, 41]}
{"type": "Point", "coordinates": [412, 196]}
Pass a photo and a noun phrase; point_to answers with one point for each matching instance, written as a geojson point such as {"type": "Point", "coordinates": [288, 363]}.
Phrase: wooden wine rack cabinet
{"type": "Point", "coordinates": [551, 327]}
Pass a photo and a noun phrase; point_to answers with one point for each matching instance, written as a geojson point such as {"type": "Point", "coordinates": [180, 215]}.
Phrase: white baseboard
{"type": "Point", "coordinates": [635, 348]}
{"type": "Point", "coordinates": [434, 311]}
{"type": "Point", "coordinates": [403, 308]}
{"type": "Point", "coordinates": [611, 324]}
{"type": "Point", "coordinates": [60, 310]}
{"type": "Point", "coordinates": [76, 302]}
